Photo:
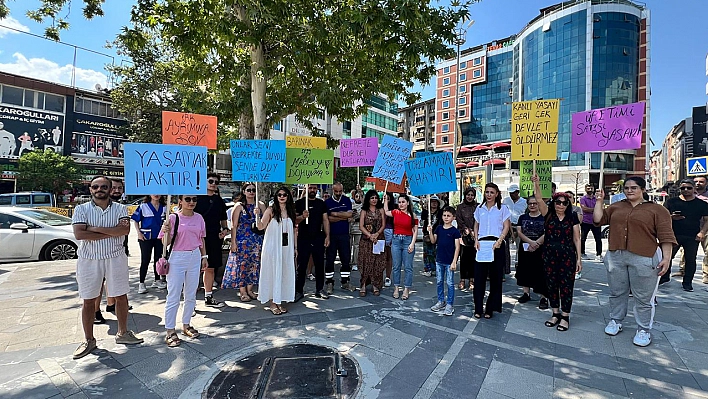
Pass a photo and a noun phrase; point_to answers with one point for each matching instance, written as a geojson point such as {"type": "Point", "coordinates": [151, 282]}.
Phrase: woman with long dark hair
{"type": "Point", "coordinates": [388, 236]}
{"type": "Point", "coordinates": [465, 223]}
{"type": "Point", "coordinates": [561, 254]}
{"type": "Point", "coordinates": [243, 265]}
{"type": "Point", "coordinates": [371, 224]}
{"type": "Point", "coordinates": [493, 221]}
{"type": "Point", "coordinates": [148, 221]}
{"type": "Point", "coordinates": [277, 278]}
{"type": "Point", "coordinates": [405, 229]}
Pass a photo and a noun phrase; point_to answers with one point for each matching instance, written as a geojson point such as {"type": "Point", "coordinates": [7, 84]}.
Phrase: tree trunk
{"type": "Point", "coordinates": [245, 126]}
{"type": "Point", "coordinates": [258, 92]}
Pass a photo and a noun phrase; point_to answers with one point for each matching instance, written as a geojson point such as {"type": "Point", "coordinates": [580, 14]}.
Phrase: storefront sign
{"type": "Point", "coordinates": [23, 130]}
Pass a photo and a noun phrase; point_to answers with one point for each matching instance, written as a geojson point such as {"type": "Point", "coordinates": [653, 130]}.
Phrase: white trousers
{"type": "Point", "coordinates": [183, 276]}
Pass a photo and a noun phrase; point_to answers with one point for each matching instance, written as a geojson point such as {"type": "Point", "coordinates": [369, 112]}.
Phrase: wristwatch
{"type": "Point", "coordinates": [205, 256]}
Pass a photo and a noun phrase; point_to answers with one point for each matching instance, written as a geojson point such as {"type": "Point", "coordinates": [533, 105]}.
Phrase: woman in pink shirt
{"type": "Point", "coordinates": [187, 258]}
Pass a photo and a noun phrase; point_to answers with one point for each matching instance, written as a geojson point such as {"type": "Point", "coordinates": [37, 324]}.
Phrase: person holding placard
{"type": "Point", "coordinates": [313, 238]}
{"type": "Point", "coordinates": [529, 271]}
{"type": "Point", "coordinates": [276, 282]}
{"type": "Point", "coordinates": [339, 210]}
{"type": "Point", "coordinates": [242, 267]}
{"type": "Point", "coordinates": [148, 221]}
{"type": "Point", "coordinates": [431, 217]}
{"type": "Point", "coordinates": [371, 224]}
{"type": "Point", "coordinates": [492, 224]}
{"type": "Point", "coordinates": [561, 254]}
{"type": "Point", "coordinates": [388, 236]}
{"type": "Point", "coordinates": [354, 232]}
{"type": "Point", "coordinates": [405, 231]}
{"type": "Point", "coordinates": [465, 223]}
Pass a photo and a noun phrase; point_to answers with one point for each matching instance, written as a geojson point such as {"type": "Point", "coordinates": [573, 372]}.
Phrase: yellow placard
{"type": "Point", "coordinates": [306, 142]}
{"type": "Point", "coordinates": [534, 129]}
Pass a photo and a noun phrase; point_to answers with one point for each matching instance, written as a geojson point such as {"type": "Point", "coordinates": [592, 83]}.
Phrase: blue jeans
{"type": "Point", "coordinates": [445, 276]}
{"type": "Point", "coordinates": [400, 255]}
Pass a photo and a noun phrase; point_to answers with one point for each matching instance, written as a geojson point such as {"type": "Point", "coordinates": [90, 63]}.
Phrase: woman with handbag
{"type": "Point", "coordinates": [243, 265]}
{"type": "Point", "coordinates": [277, 279]}
{"type": "Point", "coordinates": [465, 223]}
{"type": "Point", "coordinates": [185, 230]}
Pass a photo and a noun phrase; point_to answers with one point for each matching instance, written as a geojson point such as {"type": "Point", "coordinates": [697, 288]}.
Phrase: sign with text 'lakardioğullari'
{"type": "Point", "coordinates": [165, 169]}
{"type": "Point", "coordinates": [260, 161]}
{"type": "Point", "coordinates": [534, 129]}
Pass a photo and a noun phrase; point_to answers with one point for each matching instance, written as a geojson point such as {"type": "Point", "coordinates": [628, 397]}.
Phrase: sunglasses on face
{"type": "Point", "coordinates": [212, 181]}
{"type": "Point", "coordinates": [102, 187]}
{"type": "Point", "coordinates": [250, 190]}
{"type": "Point", "coordinates": [190, 199]}
{"type": "Point", "coordinates": [282, 195]}
{"type": "Point", "coordinates": [560, 202]}
{"type": "Point", "coordinates": [686, 188]}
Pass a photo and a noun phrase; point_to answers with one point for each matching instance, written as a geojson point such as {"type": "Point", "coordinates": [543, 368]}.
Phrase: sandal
{"type": "Point", "coordinates": [275, 309]}
{"type": "Point", "coordinates": [172, 340]}
{"type": "Point", "coordinates": [252, 296]}
{"type": "Point", "coordinates": [283, 309]}
{"type": "Point", "coordinates": [562, 327]}
{"type": "Point", "coordinates": [462, 285]}
{"type": "Point", "coordinates": [477, 316]}
{"type": "Point", "coordinates": [405, 294]}
{"type": "Point", "coordinates": [245, 298]}
{"type": "Point", "coordinates": [190, 331]}
{"type": "Point", "coordinates": [550, 323]}
{"type": "Point", "coordinates": [377, 292]}
{"type": "Point", "coordinates": [395, 292]}
{"type": "Point", "coordinates": [488, 315]}
{"type": "Point", "coordinates": [362, 292]}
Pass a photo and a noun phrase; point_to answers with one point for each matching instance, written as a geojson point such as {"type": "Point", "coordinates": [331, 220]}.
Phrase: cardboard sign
{"type": "Point", "coordinates": [165, 169]}
{"type": "Point", "coordinates": [534, 129]}
{"type": "Point", "coordinates": [380, 185]}
{"type": "Point", "coordinates": [189, 129]}
{"type": "Point", "coordinates": [543, 170]}
{"type": "Point", "coordinates": [358, 152]}
{"type": "Point", "coordinates": [608, 129]}
{"type": "Point", "coordinates": [431, 174]}
{"type": "Point", "coordinates": [306, 142]}
{"type": "Point", "coordinates": [309, 166]}
{"type": "Point", "coordinates": [258, 160]}
{"type": "Point", "coordinates": [476, 178]}
{"type": "Point", "coordinates": [392, 156]}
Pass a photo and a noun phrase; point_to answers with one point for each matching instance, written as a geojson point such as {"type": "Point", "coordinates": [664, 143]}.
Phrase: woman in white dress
{"type": "Point", "coordinates": [277, 278]}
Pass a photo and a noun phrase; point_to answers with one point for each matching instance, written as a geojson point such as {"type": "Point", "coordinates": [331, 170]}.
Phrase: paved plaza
{"type": "Point", "coordinates": [402, 349]}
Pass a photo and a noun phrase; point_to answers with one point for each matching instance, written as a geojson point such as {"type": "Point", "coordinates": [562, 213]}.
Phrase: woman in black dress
{"type": "Point", "coordinates": [465, 223]}
{"type": "Point", "coordinates": [529, 271]}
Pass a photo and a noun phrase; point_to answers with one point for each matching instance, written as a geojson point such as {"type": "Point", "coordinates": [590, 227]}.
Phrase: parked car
{"type": "Point", "coordinates": [27, 199]}
{"type": "Point", "coordinates": [35, 234]}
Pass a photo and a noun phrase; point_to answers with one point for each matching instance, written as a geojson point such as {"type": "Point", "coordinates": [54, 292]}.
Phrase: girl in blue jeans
{"type": "Point", "coordinates": [447, 238]}
{"type": "Point", "coordinates": [405, 230]}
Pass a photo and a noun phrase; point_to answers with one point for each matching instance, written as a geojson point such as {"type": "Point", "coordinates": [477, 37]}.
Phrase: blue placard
{"type": "Point", "coordinates": [393, 153]}
{"type": "Point", "coordinates": [423, 154]}
{"type": "Point", "coordinates": [258, 160]}
{"type": "Point", "coordinates": [165, 169]}
{"type": "Point", "coordinates": [431, 174]}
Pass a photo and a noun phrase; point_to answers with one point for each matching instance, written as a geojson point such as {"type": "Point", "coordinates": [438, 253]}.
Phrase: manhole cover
{"type": "Point", "coordinates": [295, 371]}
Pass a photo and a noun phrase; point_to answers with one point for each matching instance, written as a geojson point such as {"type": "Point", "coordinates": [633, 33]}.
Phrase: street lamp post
{"type": "Point", "coordinates": [460, 33]}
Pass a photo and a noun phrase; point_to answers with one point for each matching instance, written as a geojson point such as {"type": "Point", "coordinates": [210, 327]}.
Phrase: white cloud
{"type": "Point", "coordinates": [44, 69]}
{"type": "Point", "coordinates": [10, 22]}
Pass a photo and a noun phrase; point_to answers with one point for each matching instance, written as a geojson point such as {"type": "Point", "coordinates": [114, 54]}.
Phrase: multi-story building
{"type": "Point", "coordinates": [416, 123]}
{"type": "Point", "coordinates": [589, 53]}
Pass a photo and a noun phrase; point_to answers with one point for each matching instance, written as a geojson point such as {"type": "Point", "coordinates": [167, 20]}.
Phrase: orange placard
{"type": "Point", "coordinates": [189, 129]}
{"type": "Point", "coordinates": [380, 185]}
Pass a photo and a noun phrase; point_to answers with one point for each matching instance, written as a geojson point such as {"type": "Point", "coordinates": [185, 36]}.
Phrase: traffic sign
{"type": "Point", "coordinates": [697, 166]}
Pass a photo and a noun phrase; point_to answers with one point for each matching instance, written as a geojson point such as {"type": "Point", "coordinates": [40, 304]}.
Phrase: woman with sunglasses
{"type": "Point", "coordinates": [561, 254]}
{"type": "Point", "coordinates": [187, 258]}
{"type": "Point", "coordinates": [405, 231]}
{"type": "Point", "coordinates": [492, 225]}
{"type": "Point", "coordinates": [277, 279]}
{"type": "Point", "coordinates": [529, 271]}
{"type": "Point", "coordinates": [242, 267]}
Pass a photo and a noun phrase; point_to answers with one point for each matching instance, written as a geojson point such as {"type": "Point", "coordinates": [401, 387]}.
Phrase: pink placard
{"type": "Point", "coordinates": [358, 152]}
{"type": "Point", "coordinates": [608, 129]}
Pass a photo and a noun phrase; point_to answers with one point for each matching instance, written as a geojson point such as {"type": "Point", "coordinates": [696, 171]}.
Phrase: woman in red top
{"type": "Point", "coordinates": [405, 231]}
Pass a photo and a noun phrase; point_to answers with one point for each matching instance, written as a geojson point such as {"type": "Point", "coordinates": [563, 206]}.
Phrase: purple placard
{"type": "Point", "coordinates": [608, 129]}
{"type": "Point", "coordinates": [358, 152]}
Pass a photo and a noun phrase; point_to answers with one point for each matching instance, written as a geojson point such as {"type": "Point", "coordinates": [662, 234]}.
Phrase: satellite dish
{"type": "Point", "coordinates": [98, 87]}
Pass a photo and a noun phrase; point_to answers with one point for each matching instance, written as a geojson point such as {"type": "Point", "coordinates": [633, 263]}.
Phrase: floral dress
{"type": "Point", "coordinates": [371, 265]}
{"type": "Point", "coordinates": [559, 260]}
{"type": "Point", "coordinates": [243, 266]}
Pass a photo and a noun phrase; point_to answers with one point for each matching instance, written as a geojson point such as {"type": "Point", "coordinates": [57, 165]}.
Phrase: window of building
{"type": "Point", "coordinates": [463, 88]}
{"type": "Point", "coordinates": [446, 92]}
{"type": "Point", "coordinates": [446, 70]}
{"type": "Point", "coordinates": [477, 61]}
{"type": "Point", "coordinates": [463, 77]}
{"type": "Point", "coordinates": [95, 107]}
{"type": "Point", "coordinates": [53, 103]}
{"type": "Point", "coordinates": [445, 116]}
{"type": "Point", "coordinates": [446, 127]}
{"type": "Point", "coordinates": [463, 113]}
{"type": "Point", "coordinates": [463, 100]}
{"type": "Point", "coordinates": [278, 126]}
{"type": "Point", "coordinates": [463, 64]}
{"type": "Point", "coordinates": [477, 73]}
{"type": "Point", "coordinates": [444, 139]}
{"type": "Point", "coordinates": [12, 95]}
{"type": "Point", "coordinates": [446, 81]}
{"type": "Point", "coordinates": [320, 113]}
{"type": "Point", "coordinates": [446, 104]}
{"type": "Point", "coordinates": [31, 98]}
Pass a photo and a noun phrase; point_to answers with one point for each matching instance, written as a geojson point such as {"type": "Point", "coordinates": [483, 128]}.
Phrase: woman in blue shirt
{"type": "Point", "coordinates": [148, 222]}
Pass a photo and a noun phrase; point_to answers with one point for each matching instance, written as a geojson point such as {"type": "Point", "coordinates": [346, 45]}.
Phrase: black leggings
{"type": "Point", "coordinates": [149, 248]}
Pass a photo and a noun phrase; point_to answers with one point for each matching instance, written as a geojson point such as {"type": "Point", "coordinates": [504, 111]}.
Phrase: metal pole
{"type": "Point", "coordinates": [460, 41]}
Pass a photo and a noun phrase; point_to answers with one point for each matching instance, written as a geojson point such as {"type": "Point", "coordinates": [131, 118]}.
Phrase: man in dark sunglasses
{"type": "Point", "coordinates": [688, 214]}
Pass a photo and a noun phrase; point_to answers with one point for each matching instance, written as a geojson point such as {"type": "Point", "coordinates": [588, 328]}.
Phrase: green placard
{"type": "Point", "coordinates": [305, 165]}
{"type": "Point", "coordinates": [544, 170]}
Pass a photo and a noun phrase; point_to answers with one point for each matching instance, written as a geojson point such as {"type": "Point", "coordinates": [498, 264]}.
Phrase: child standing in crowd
{"type": "Point", "coordinates": [447, 238]}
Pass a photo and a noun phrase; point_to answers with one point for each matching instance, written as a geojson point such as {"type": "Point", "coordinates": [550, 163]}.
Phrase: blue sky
{"type": "Point", "coordinates": [678, 48]}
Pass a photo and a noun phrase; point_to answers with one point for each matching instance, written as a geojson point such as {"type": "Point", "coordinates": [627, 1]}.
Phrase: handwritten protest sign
{"type": "Point", "coordinates": [306, 142]}
{"type": "Point", "coordinates": [309, 166]}
{"type": "Point", "coordinates": [545, 176]}
{"type": "Point", "coordinates": [165, 169]}
{"type": "Point", "coordinates": [392, 155]}
{"type": "Point", "coordinates": [423, 154]}
{"type": "Point", "coordinates": [380, 185]}
{"type": "Point", "coordinates": [258, 160]}
{"type": "Point", "coordinates": [608, 129]}
{"type": "Point", "coordinates": [358, 152]}
{"type": "Point", "coordinates": [534, 129]}
{"type": "Point", "coordinates": [431, 174]}
{"type": "Point", "coordinates": [189, 129]}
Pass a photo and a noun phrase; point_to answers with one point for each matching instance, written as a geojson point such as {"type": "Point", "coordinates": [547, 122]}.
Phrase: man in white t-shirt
{"type": "Point", "coordinates": [517, 206]}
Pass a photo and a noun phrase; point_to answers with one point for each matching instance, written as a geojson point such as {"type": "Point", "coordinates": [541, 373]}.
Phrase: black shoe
{"type": "Point", "coordinates": [543, 304]}
{"type": "Point", "coordinates": [99, 318]}
{"type": "Point", "coordinates": [213, 303]}
{"type": "Point", "coordinates": [687, 287]}
{"type": "Point", "coordinates": [321, 294]}
{"type": "Point", "coordinates": [524, 298]}
{"type": "Point", "coordinates": [111, 308]}
{"type": "Point", "coordinates": [663, 280]}
{"type": "Point", "coordinates": [298, 296]}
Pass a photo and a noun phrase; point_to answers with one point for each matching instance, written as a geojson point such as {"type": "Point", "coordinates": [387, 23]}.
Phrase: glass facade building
{"type": "Point", "coordinates": [380, 119]}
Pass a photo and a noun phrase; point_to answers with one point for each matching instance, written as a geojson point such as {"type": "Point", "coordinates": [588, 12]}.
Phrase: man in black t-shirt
{"type": "Point", "coordinates": [213, 210]}
{"type": "Point", "coordinates": [312, 239]}
{"type": "Point", "coordinates": [687, 211]}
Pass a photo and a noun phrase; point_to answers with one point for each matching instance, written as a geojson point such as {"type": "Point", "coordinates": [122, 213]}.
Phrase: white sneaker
{"type": "Point", "coordinates": [613, 328]}
{"type": "Point", "coordinates": [311, 277]}
{"type": "Point", "coordinates": [578, 275]}
{"type": "Point", "coordinates": [600, 258]}
{"type": "Point", "coordinates": [141, 288]}
{"type": "Point", "coordinates": [438, 306]}
{"type": "Point", "coordinates": [585, 257]}
{"type": "Point", "coordinates": [427, 274]}
{"type": "Point", "coordinates": [155, 284]}
{"type": "Point", "coordinates": [355, 268]}
{"type": "Point", "coordinates": [449, 310]}
{"type": "Point", "coordinates": [387, 282]}
{"type": "Point", "coordinates": [642, 338]}
{"type": "Point", "coordinates": [161, 284]}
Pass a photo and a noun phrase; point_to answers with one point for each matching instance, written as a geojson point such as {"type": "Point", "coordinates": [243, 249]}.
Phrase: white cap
{"type": "Point", "coordinates": [513, 187]}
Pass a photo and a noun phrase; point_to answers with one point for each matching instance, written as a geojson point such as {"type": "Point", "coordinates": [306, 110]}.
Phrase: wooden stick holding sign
{"type": "Point", "coordinates": [167, 217]}
{"type": "Point", "coordinates": [430, 211]}
{"type": "Point", "coordinates": [258, 215]}
{"type": "Point", "coordinates": [602, 171]}
{"type": "Point", "coordinates": [307, 202]}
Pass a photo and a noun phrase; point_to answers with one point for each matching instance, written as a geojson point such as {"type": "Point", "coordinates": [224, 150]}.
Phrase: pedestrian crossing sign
{"type": "Point", "coordinates": [696, 166]}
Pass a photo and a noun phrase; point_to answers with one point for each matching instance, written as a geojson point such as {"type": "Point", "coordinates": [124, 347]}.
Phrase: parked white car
{"type": "Point", "coordinates": [35, 234]}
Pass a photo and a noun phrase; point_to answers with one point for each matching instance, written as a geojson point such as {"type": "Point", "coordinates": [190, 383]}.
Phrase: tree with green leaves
{"type": "Point", "coordinates": [52, 9]}
{"type": "Point", "coordinates": [47, 171]}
